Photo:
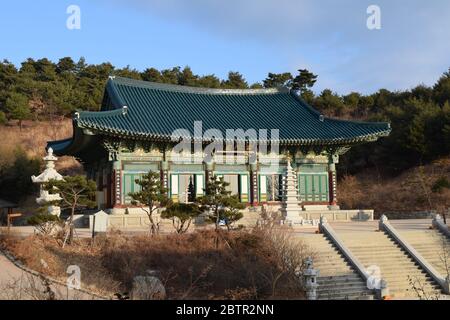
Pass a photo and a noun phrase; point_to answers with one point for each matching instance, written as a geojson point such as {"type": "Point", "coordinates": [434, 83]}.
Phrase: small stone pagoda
{"type": "Point", "coordinates": [290, 203]}
{"type": "Point", "coordinates": [49, 174]}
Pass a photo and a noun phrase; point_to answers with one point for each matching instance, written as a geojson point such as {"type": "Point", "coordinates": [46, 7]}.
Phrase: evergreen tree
{"type": "Point", "coordinates": [235, 81]}
{"type": "Point", "coordinates": [220, 204]}
{"type": "Point", "coordinates": [151, 197]}
{"type": "Point", "coordinates": [274, 80]}
{"type": "Point", "coordinates": [209, 81]}
{"type": "Point", "coordinates": [187, 78]}
{"type": "Point", "coordinates": [17, 107]}
{"type": "Point", "coordinates": [304, 80]}
{"type": "Point", "coordinates": [65, 64]}
{"type": "Point", "coordinates": [151, 74]}
{"type": "Point", "coordinates": [76, 192]}
{"type": "Point", "coordinates": [256, 85]}
{"type": "Point", "coordinates": [442, 88]}
{"type": "Point", "coordinates": [170, 76]}
{"type": "Point", "coordinates": [181, 215]}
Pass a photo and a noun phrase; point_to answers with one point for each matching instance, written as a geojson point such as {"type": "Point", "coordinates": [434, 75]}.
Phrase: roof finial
{"type": "Point", "coordinates": [124, 110]}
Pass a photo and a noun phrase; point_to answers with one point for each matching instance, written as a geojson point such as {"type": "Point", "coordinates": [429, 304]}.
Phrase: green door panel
{"type": "Point", "coordinates": [313, 187]}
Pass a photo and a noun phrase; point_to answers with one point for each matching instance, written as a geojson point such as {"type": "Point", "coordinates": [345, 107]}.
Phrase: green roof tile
{"type": "Point", "coordinates": [156, 110]}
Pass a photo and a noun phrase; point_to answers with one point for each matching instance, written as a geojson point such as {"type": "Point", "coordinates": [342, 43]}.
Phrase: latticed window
{"type": "Point", "coordinates": [186, 187]}
{"type": "Point", "coordinates": [274, 187]}
{"type": "Point", "coordinates": [271, 187]}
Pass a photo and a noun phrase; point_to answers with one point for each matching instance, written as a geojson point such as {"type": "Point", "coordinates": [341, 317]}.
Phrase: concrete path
{"type": "Point", "coordinates": [8, 271]}
{"type": "Point", "coordinates": [19, 284]}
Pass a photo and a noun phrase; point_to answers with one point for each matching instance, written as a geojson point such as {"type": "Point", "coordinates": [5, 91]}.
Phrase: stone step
{"type": "Point", "coordinates": [342, 287]}
{"type": "Point", "coordinates": [333, 262]}
{"type": "Point", "coordinates": [337, 280]}
{"type": "Point", "coordinates": [350, 277]}
{"type": "Point", "coordinates": [348, 296]}
{"type": "Point", "coordinates": [395, 264]}
{"type": "Point", "coordinates": [344, 290]}
{"type": "Point", "coordinates": [340, 281]}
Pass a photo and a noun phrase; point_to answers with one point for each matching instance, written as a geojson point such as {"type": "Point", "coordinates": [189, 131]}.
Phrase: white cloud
{"type": "Point", "coordinates": [329, 36]}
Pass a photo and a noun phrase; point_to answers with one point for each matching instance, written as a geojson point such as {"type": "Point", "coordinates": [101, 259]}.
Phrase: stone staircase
{"type": "Point", "coordinates": [374, 248]}
{"type": "Point", "coordinates": [432, 245]}
{"type": "Point", "coordinates": [337, 279]}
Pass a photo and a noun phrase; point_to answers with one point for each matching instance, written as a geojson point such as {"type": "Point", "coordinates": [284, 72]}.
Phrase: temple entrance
{"type": "Point", "coordinates": [313, 187]}
{"type": "Point", "coordinates": [234, 185]}
{"type": "Point", "coordinates": [238, 185]}
{"type": "Point", "coordinates": [271, 187]}
{"type": "Point", "coordinates": [186, 187]}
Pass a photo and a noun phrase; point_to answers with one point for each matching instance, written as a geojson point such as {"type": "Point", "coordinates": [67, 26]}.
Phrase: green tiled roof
{"type": "Point", "coordinates": [154, 111]}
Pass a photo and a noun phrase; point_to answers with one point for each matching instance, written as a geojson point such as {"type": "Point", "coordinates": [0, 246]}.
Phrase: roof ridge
{"type": "Point", "coordinates": [190, 89]}
{"type": "Point", "coordinates": [100, 113]}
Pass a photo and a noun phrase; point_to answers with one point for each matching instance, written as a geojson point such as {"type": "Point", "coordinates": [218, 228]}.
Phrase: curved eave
{"type": "Point", "coordinates": [126, 134]}
{"type": "Point", "coordinates": [74, 146]}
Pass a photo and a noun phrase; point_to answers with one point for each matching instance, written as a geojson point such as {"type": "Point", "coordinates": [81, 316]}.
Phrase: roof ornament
{"type": "Point", "coordinates": [321, 118]}
{"type": "Point", "coordinates": [112, 77]}
{"type": "Point", "coordinates": [124, 110]}
{"type": "Point", "coordinates": [77, 115]}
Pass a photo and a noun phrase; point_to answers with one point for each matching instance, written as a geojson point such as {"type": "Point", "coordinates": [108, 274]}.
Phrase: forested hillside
{"type": "Point", "coordinates": [42, 90]}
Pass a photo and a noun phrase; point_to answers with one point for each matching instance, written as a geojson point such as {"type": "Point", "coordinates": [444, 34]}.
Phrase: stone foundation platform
{"type": "Point", "coordinates": [136, 218]}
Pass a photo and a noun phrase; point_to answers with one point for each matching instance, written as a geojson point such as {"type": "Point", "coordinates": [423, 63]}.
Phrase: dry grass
{"type": "Point", "coordinates": [33, 138]}
{"type": "Point", "coordinates": [411, 191]}
{"type": "Point", "coordinates": [244, 264]}
{"type": "Point", "coordinates": [45, 255]}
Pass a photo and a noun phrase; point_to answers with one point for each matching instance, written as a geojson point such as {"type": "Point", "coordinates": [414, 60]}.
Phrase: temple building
{"type": "Point", "coordinates": [141, 126]}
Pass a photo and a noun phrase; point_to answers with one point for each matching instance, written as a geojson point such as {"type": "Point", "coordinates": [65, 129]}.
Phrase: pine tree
{"type": "Point", "coordinates": [304, 80]}
{"type": "Point", "coordinates": [151, 197]}
{"type": "Point", "coordinates": [220, 204]}
{"type": "Point", "coordinates": [274, 80]}
{"type": "Point", "coordinates": [77, 192]}
{"type": "Point", "coordinates": [17, 107]}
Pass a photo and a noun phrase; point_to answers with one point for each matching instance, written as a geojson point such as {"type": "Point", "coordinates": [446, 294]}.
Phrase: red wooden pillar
{"type": "Point", "coordinates": [254, 185]}
{"type": "Point", "coordinates": [117, 184]}
{"type": "Point", "coordinates": [164, 172]}
{"type": "Point", "coordinates": [109, 189]}
{"type": "Point", "coordinates": [332, 184]}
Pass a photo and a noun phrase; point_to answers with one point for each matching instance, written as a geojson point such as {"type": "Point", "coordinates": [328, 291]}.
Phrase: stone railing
{"type": "Point", "coordinates": [439, 224]}
{"type": "Point", "coordinates": [326, 229]}
{"type": "Point", "coordinates": [384, 225]}
{"type": "Point", "coordinates": [407, 214]}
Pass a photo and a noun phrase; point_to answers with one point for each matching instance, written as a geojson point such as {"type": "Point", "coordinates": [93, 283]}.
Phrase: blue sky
{"type": "Point", "coordinates": [254, 37]}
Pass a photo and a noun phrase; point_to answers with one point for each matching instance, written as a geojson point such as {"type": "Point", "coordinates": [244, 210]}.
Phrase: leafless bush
{"type": "Point", "coordinates": [288, 253]}
{"type": "Point", "coordinates": [28, 287]}
{"type": "Point", "coordinates": [421, 290]}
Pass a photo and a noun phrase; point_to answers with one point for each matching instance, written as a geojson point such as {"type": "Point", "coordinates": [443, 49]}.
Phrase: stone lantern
{"type": "Point", "coordinates": [310, 276]}
{"type": "Point", "coordinates": [49, 174]}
